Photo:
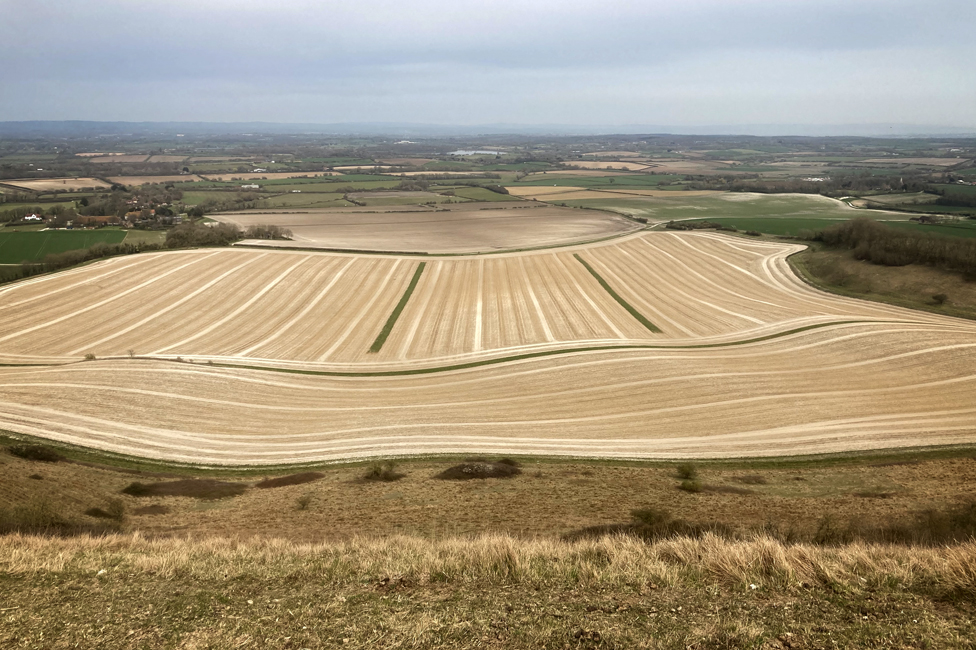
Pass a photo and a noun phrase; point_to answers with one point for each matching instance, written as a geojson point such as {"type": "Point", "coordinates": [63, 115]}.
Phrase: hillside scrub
{"type": "Point", "coordinates": [881, 244]}
{"type": "Point", "coordinates": [267, 232]}
{"type": "Point", "coordinates": [193, 234]}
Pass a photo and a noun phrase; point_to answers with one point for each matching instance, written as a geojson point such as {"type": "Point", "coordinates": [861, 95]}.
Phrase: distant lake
{"type": "Point", "coordinates": [462, 152]}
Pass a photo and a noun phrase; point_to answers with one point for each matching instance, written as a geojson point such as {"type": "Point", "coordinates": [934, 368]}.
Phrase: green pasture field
{"type": "Point", "coordinates": [904, 198]}
{"type": "Point", "coordinates": [793, 226]}
{"type": "Point", "coordinates": [603, 182]}
{"type": "Point", "coordinates": [450, 166]}
{"type": "Point", "coordinates": [17, 247]}
{"type": "Point", "coordinates": [963, 228]}
{"type": "Point", "coordinates": [355, 178]}
{"type": "Point", "coordinates": [25, 227]}
{"type": "Point", "coordinates": [958, 190]}
{"type": "Point", "coordinates": [36, 204]}
{"type": "Point", "coordinates": [145, 236]}
{"type": "Point", "coordinates": [777, 226]}
{"type": "Point", "coordinates": [932, 208]}
{"type": "Point", "coordinates": [380, 200]}
{"type": "Point", "coordinates": [305, 199]}
{"type": "Point", "coordinates": [721, 205]}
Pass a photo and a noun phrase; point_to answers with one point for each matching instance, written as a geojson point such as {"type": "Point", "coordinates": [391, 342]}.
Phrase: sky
{"type": "Point", "coordinates": [683, 63]}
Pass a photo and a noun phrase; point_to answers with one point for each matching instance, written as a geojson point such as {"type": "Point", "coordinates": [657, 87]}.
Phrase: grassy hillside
{"type": "Point", "coordinates": [483, 592]}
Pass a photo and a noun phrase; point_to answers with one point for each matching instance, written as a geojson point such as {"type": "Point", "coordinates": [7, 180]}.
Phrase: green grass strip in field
{"type": "Point", "coordinates": [391, 321]}
{"type": "Point", "coordinates": [528, 355]}
{"type": "Point", "coordinates": [623, 303]}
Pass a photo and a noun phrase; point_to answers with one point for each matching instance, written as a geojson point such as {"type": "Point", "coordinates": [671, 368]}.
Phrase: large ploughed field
{"type": "Point", "coordinates": [651, 345]}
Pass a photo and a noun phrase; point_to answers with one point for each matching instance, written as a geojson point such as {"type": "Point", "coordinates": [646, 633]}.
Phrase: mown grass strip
{"type": "Point", "coordinates": [522, 357]}
{"type": "Point", "coordinates": [623, 303]}
{"type": "Point", "coordinates": [391, 321]}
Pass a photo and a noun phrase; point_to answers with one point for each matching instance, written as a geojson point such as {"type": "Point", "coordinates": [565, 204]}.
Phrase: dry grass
{"type": "Point", "coordinates": [912, 286]}
{"type": "Point", "coordinates": [491, 591]}
{"type": "Point", "coordinates": [292, 479]}
{"type": "Point", "coordinates": [548, 499]}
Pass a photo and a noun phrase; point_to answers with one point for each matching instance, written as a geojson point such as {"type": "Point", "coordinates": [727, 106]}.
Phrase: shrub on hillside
{"type": "Point", "coordinates": [197, 488]}
{"type": "Point", "coordinates": [267, 232]}
{"type": "Point", "coordinates": [197, 234]}
{"type": "Point", "coordinates": [473, 470]}
{"type": "Point", "coordinates": [36, 452]}
{"type": "Point", "coordinates": [291, 479]}
{"type": "Point", "coordinates": [385, 471]}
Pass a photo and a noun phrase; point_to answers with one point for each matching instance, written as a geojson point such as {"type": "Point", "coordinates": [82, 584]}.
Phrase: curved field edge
{"type": "Point", "coordinates": [474, 253]}
{"type": "Point", "coordinates": [96, 457]}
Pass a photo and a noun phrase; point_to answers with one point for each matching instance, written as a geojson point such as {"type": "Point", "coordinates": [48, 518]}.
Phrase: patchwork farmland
{"type": "Point", "coordinates": [651, 345]}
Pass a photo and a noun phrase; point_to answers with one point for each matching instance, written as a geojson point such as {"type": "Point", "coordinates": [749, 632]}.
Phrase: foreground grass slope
{"type": "Point", "coordinates": [492, 591]}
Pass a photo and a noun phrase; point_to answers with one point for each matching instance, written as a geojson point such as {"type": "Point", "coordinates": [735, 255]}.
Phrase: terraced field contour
{"type": "Point", "coordinates": [652, 345]}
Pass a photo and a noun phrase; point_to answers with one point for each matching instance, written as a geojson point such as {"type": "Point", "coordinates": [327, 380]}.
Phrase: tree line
{"type": "Point", "coordinates": [882, 244]}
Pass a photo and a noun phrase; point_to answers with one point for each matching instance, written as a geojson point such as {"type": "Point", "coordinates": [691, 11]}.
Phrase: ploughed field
{"type": "Point", "coordinates": [653, 345]}
{"type": "Point", "coordinates": [458, 228]}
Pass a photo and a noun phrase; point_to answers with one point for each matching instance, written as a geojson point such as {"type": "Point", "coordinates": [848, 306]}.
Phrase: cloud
{"type": "Point", "coordinates": [528, 61]}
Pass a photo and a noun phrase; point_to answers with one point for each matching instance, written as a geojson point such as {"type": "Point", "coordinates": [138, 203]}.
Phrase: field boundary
{"type": "Point", "coordinates": [613, 294]}
{"type": "Point", "coordinates": [395, 314]}
{"type": "Point", "coordinates": [157, 468]}
{"type": "Point", "coordinates": [517, 357]}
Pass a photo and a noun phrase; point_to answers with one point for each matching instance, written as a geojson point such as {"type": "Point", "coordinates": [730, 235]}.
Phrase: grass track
{"type": "Point", "coordinates": [391, 321]}
{"type": "Point", "coordinates": [521, 357]}
{"type": "Point", "coordinates": [623, 303]}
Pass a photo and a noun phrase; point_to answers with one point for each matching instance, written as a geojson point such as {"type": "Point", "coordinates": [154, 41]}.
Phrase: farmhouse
{"type": "Point", "coordinates": [251, 186]}
{"type": "Point", "coordinates": [33, 217]}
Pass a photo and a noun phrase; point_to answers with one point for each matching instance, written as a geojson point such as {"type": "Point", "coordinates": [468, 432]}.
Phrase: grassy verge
{"type": "Point", "coordinates": [613, 294]}
{"type": "Point", "coordinates": [391, 321]}
{"type": "Point", "coordinates": [913, 286]}
{"type": "Point", "coordinates": [492, 591]}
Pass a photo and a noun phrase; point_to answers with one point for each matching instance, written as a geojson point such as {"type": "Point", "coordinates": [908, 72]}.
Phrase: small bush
{"type": "Point", "coordinates": [725, 489]}
{"type": "Point", "coordinates": [115, 510]}
{"type": "Point", "coordinates": [90, 356]}
{"type": "Point", "coordinates": [686, 471]}
{"type": "Point", "coordinates": [36, 452]}
{"type": "Point", "coordinates": [754, 233]}
{"type": "Point", "coordinates": [751, 479]}
{"type": "Point", "coordinates": [291, 479]}
{"type": "Point", "coordinates": [196, 488]}
{"type": "Point", "coordinates": [36, 477]}
{"type": "Point", "coordinates": [385, 471]}
{"type": "Point", "coordinates": [303, 501]}
{"type": "Point", "coordinates": [467, 471]}
{"type": "Point", "coordinates": [940, 298]}
{"type": "Point", "coordinates": [690, 485]}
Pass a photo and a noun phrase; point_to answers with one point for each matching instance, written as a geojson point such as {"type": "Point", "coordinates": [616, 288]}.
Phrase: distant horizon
{"type": "Point", "coordinates": [83, 128]}
{"type": "Point", "coordinates": [689, 66]}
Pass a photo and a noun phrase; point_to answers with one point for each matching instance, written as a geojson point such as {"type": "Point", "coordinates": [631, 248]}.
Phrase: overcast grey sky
{"type": "Point", "coordinates": [683, 63]}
